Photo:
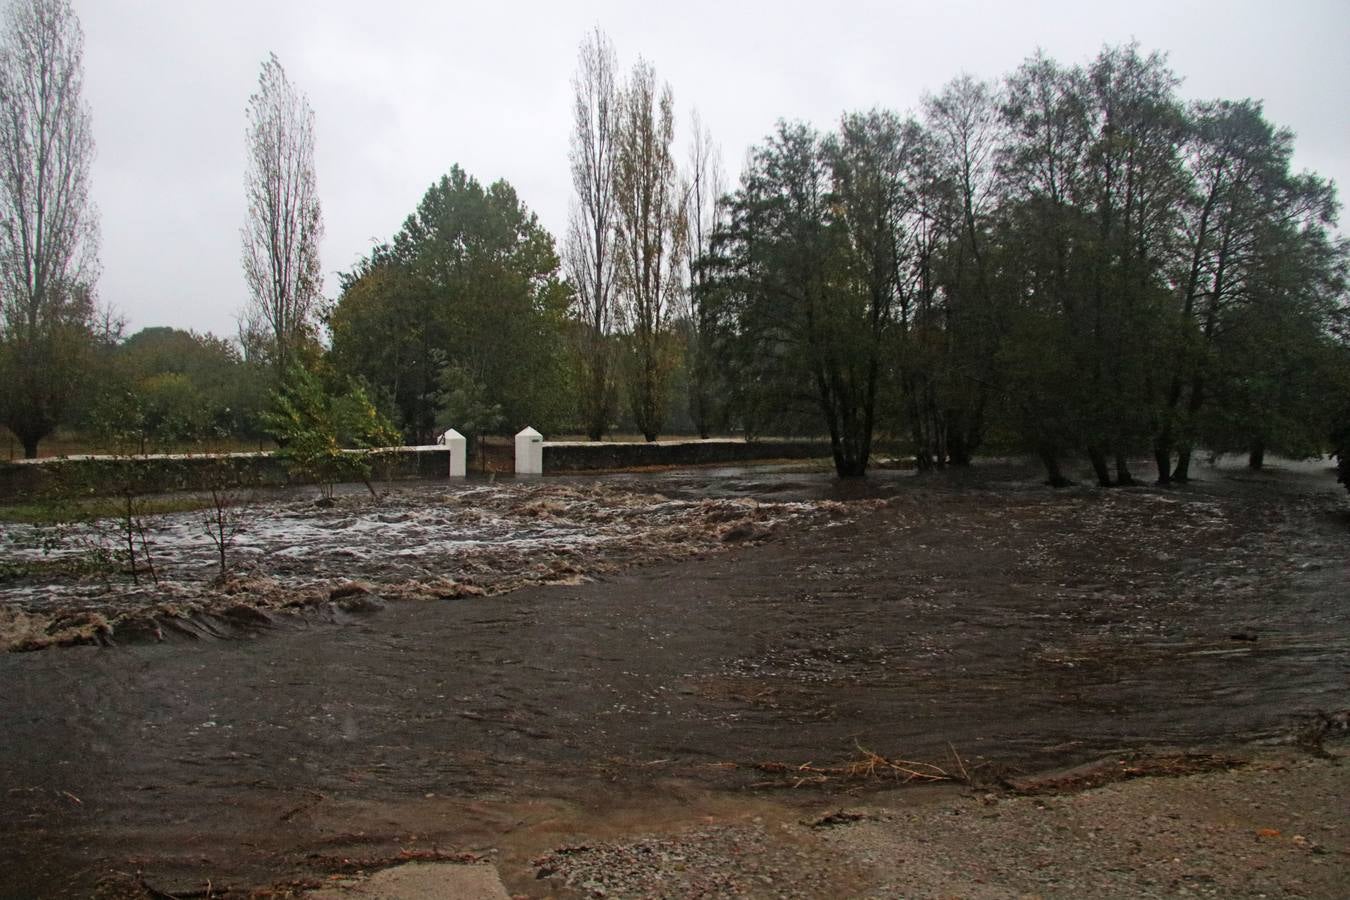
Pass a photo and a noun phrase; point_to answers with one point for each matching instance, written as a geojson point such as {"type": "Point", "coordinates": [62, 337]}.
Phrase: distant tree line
{"type": "Point", "coordinates": [1070, 260]}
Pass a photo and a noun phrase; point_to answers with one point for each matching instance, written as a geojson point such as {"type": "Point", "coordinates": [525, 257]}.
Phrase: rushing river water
{"type": "Point", "coordinates": [970, 614]}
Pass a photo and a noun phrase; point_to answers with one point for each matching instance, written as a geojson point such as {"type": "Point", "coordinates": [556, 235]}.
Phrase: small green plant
{"type": "Point", "coordinates": [317, 430]}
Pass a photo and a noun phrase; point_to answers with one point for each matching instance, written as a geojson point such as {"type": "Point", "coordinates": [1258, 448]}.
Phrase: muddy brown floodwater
{"type": "Point", "coordinates": [641, 676]}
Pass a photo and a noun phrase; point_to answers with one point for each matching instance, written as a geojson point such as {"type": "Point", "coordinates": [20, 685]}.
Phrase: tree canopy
{"type": "Point", "coordinates": [470, 283]}
{"type": "Point", "coordinates": [1074, 259]}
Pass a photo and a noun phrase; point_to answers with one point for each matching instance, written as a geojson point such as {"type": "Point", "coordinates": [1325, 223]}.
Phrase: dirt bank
{"type": "Point", "coordinates": [1274, 827]}
{"type": "Point", "coordinates": [974, 621]}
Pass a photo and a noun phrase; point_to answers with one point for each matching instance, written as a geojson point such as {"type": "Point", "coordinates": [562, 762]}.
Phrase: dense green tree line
{"type": "Point", "coordinates": [1073, 259]}
{"type": "Point", "coordinates": [165, 388]}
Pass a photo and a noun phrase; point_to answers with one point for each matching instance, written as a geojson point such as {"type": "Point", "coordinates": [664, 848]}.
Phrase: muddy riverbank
{"type": "Point", "coordinates": [964, 619]}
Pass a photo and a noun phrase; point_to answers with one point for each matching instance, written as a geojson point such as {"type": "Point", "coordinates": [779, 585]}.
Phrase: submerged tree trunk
{"type": "Point", "coordinates": [1099, 467]}
{"type": "Point", "coordinates": [958, 451]}
{"type": "Point", "coordinates": [920, 423]}
{"type": "Point", "coordinates": [846, 467]}
{"type": "Point", "coordinates": [1050, 458]}
{"type": "Point", "coordinates": [1256, 456]}
{"type": "Point", "coordinates": [1182, 472]}
{"type": "Point", "coordinates": [700, 404]}
{"type": "Point", "coordinates": [1123, 476]}
{"type": "Point", "coordinates": [849, 461]}
{"type": "Point", "coordinates": [1162, 459]}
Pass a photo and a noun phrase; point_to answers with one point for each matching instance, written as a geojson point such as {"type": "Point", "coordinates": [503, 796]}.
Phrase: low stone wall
{"type": "Point", "coordinates": [601, 455]}
{"type": "Point", "coordinates": [104, 475]}
{"type": "Point", "coordinates": [101, 475]}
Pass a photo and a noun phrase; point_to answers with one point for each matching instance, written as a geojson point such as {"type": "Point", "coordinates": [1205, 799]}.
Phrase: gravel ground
{"type": "Point", "coordinates": [1275, 827]}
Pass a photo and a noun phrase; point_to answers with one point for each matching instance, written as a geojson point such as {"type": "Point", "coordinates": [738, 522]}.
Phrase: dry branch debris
{"type": "Point", "coordinates": [870, 766]}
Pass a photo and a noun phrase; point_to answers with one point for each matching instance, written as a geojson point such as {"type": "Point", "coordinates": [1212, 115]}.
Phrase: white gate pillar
{"type": "Point", "coordinates": [529, 452]}
{"type": "Point", "coordinates": [455, 442]}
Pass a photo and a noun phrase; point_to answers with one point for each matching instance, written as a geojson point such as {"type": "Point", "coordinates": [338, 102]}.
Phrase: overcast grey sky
{"type": "Point", "coordinates": [402, 90]}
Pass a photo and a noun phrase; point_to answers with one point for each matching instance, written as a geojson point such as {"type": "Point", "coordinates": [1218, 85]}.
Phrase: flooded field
{"type": "Point", "coordinates": [674, 643]}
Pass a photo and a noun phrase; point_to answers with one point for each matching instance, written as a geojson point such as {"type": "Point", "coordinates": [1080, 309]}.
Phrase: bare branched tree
{"type": "Point", "coordinates": [651, 239]}
{"type": "Point", "coordinates": [48, 227]}
{"type": "Point", "coordinates": [704, 187]}
{"type": "Point", "coordinates": [964, 129]}
{"type": "Point", "coordinates": [281, 238]}
{"type": "Point", "coordinates": [225, 519]}
{"type": "Point", "coordinates": [589, 252]}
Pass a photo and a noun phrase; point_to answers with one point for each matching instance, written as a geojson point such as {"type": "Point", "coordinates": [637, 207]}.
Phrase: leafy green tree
{"type": "Point", "coordinates": [169, 387]}
{"type": "Point", "coordinates": [1135, 185]}
{"type": "Point", "coordinates": [1247, 211]}
{"type": "Point", "coordinates": [766, 269]}
{"type": "Point", "coordinates": [316, 428]}
{"type": "Point", "coordinates": [1076, 258]}
{"type": "Point", "coordinates": [1095, 181]}
{"type": "Point", "coordinates": [1047, 234]}
{"type": "Point", "coordinates": [470, 281]}
{"type": "Point", "coordinates": [174, 410]}
{"type": "Point", "coordinates": [44, 364]}
{"type": "Point", "coordinates": [808, 273]}
{"type": "Point", "coordinates": [883, 297]}
{"type": "Point", "coordinates": [386, 329]}
{"type": "Point", "coordinates": [1275, 353]}
{"type": "Point", "coordinates": [468, 404]}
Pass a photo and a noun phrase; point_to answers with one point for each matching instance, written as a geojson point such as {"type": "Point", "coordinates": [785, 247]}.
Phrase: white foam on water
{"type": "Point", "coordinates": [504, 531]}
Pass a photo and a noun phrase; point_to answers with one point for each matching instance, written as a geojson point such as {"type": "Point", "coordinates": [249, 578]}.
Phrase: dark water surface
{"type": "Point", "coordinates": [975, 613]}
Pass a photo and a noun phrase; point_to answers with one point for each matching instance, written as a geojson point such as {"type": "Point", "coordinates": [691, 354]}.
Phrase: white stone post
{"type": "Point", "coordinates": [529, 452]}
{"type": "Point", "coordinates": [455, 443]}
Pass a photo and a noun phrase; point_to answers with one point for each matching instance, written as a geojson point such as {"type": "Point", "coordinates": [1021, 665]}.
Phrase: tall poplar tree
{"type": "Point", "coordinates": [651, 236]}
{"type": "Point", "coordinates": [48, 226]}
{"type": "Point", "coordinates": [285, 224]}
{"type": "Point", "coordinates": [589, 252]}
